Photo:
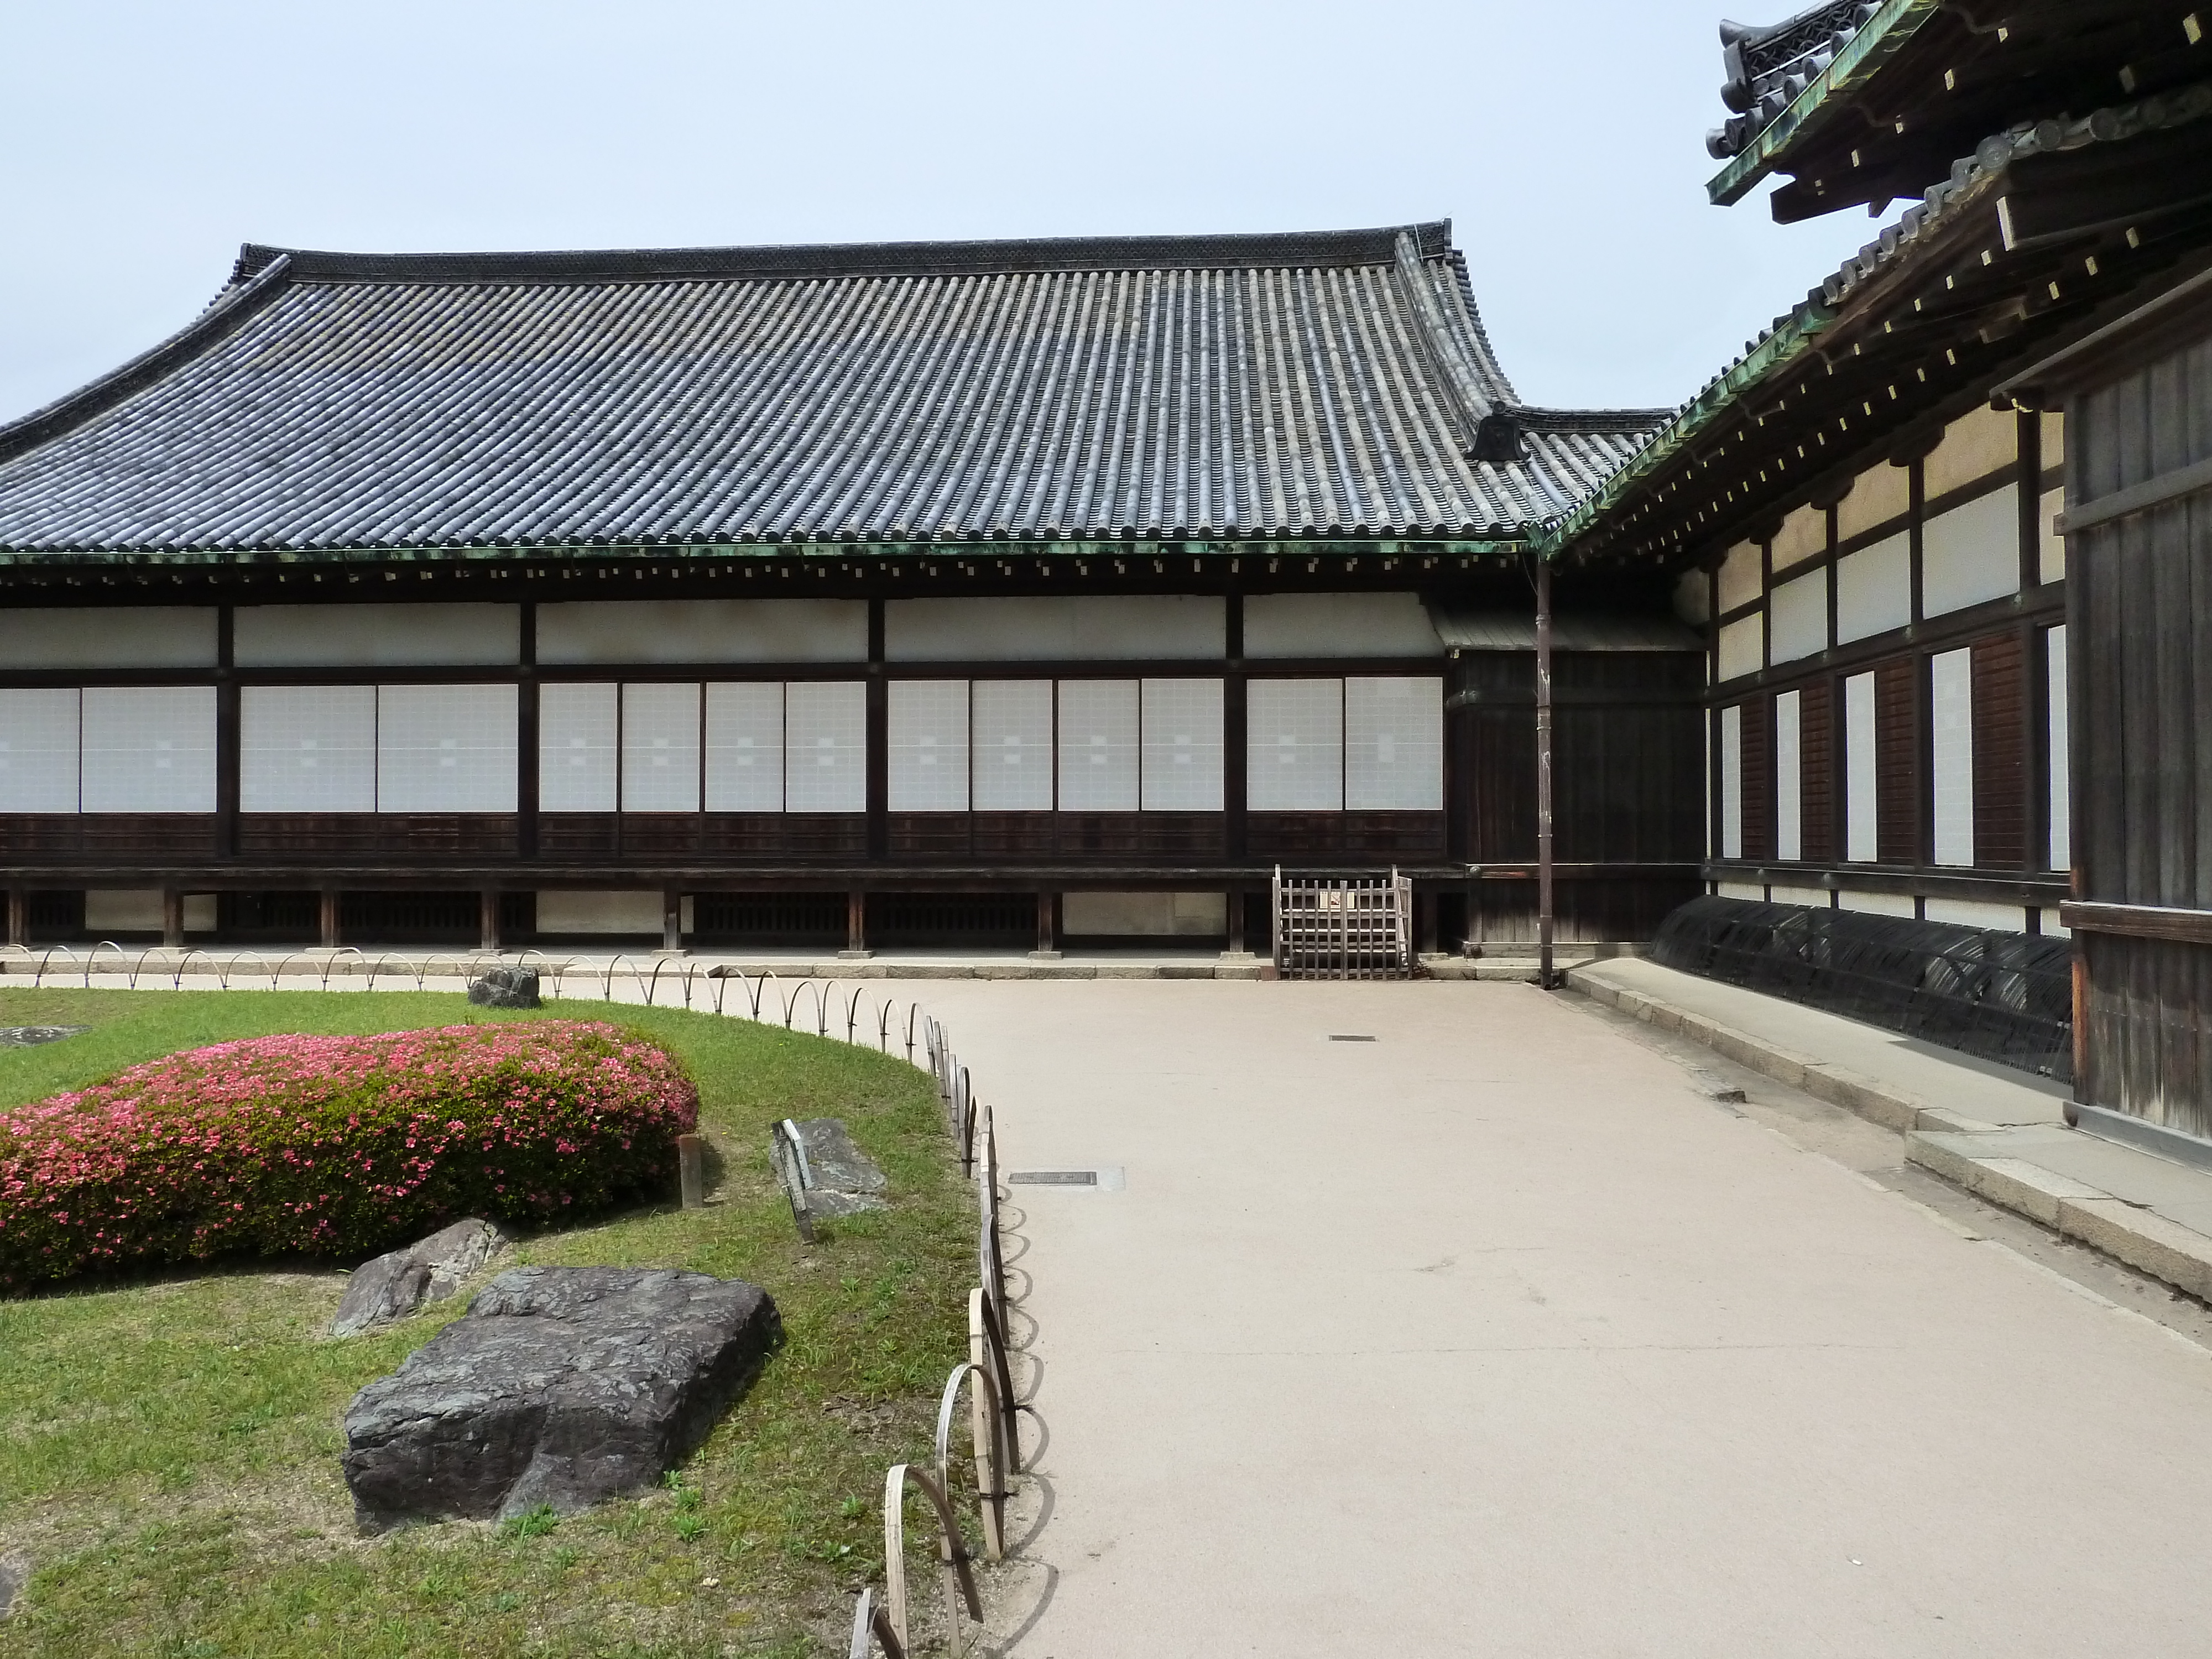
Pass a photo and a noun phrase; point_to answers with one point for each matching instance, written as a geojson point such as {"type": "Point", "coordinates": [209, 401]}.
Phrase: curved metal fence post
{"type": "Point", "coordinates": [983, 1429]}
{"type": "Point", "coordinates": [954, 1575]}
{"type": "Point", "coordinates": [987, 1347]}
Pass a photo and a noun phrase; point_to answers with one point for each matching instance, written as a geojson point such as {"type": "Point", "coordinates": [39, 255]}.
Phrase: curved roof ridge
{"type": "Point", "coordinates": [1259, 251]}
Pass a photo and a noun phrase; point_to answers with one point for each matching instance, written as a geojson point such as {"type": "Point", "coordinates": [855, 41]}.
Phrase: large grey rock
{"type": "Point", "coordinates": [398, 1282]}
{"type": "Point", "coordinates": [506, 987]}
{"type": "Point", "coordinates": [839, 1178]}
{"type": "Point", "coordinates": [560, 1386]}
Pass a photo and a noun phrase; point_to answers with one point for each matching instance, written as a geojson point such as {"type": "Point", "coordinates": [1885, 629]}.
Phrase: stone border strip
{"type": "Point", "coordinates": [1943, 1143]}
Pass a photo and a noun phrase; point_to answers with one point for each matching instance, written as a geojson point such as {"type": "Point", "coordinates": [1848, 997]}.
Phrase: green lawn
{"type": "Point", "coordinates": [169, 1446]}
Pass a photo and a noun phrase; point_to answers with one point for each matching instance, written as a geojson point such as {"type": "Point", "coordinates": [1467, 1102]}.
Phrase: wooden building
{"type": "Point", "coordinates": [998, 592]}
{"type": "Point", "coordinates": [1937, 522]}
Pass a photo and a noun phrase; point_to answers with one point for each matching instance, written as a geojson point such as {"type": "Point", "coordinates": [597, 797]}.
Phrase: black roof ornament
{"type": "Point", "coordinates": [1499, 439]}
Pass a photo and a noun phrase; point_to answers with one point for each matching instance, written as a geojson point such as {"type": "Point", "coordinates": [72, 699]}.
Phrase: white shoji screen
{"type": "Point", "coordinates": [825, 746]}
{"type": "Point", "coordinates": [1393, 744]}
{"type": "Point", "coordinates": [308, 749]}
{"type": "Point", "coordinates": [1951, 684]}
{"type": "Point", "coordinates": [1098, 747]}
{"type": "Point", "coordinates": [1789, 776]}
{"type": "Point", "coordinates": [928, 758]}
{"type": "Point", "coordinates": [1860, 843]}
{"type": "Point", "coordinates": [1295, 752]}
{"type": "Point", "coordinates": [577, 732]}
{"type": "Point", "coordinates": [38, 752]}
{"type": "Point", "coordinates": [2062, 796]}
{"type": "Point", "coordinates": [1182, 729]}
{"type": "Point", "coordinates": [744, 747]}
{"type": "Point", "coordinates": [446, 748]}
{"type": "Point", "coordinates": [1732, 782]}
{"type": "Point", "coordinates": [660, 747]}
{"type": "Point", "coordinates": [149, 749]}
{"type": "Point", "coordinates": [1012, 753]}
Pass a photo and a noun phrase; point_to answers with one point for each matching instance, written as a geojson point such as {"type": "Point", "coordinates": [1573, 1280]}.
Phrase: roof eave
{"type": "Point", "coordinates": [1827, 95]}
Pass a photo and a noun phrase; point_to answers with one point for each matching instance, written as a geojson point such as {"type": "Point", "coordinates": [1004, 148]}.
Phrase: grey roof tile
{"type": "Point", "coordinates": [1316, 385]}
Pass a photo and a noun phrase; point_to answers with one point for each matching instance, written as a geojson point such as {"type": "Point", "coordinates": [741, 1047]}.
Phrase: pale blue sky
{"type": "Point", "coordinates": [146, 140]}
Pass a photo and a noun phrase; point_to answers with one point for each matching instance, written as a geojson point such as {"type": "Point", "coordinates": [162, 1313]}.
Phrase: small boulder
{"type": "Point", "coordinates": [506, 987]}
{"type": "Point", "coordinates": [560, 1386]}
{"type": "Point", "coordinates": [15, 1573]}
{"type": "Point", "coordinates": [839, 1178]}
{"type": "Point", "coordinates": [397, 1283]}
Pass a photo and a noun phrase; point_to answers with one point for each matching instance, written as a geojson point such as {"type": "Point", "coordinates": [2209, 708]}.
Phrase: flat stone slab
{"type": "Point", "coordinates": [15, 1573]}
{"type": "Point", "coordinates": [30, 1036]}
{"type": "Point", "coordinates": [396, 1283]}
{"type": "Point", "coordinates": [840, 1179]}
{"type": "Point", "coordinates": [560, 1386]}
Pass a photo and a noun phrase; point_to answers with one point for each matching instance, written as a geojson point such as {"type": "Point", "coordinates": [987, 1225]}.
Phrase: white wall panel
{"type": "Point", "coordinates": [1970, 553]}
{"type": "Point", "coordinates": [1393, 744]}
{"type": "Point", "coordinates": [1732, 782]}
{"type": "Point", "coordinates": [1338, 625]}
{"type": "Point", "coordinates": [1146, 915]}
{"type": "Point", "coordinates": [2050, 556]}
{"type": "Point", "coordinates": [703, 630]}
{"type": "Point", "coordinates": [1741, 571]}
{"type": "Point", "coordinates": [125, 636]}
{"type": "Point", "coordinates": [1951, 682]}
{"type": "Point", "coordinates": [578, 741]}
{"type": "Point", "coordinates": [376, 635]}
{"type": "Point", "coordinates": [744, 747]}
{"type": "Point", "coordinates": [1803, 533]}
{"type": "Point", "coordinates": [308, 749]}
{"type": "Point", "coordinates": [1859, 820]}
{"type": "Point", "coordinates": [634, 912]}
{"type": "Point", "coordinates": [927, 765]}
{"type": "Point", "coordinates": [39, 751]}
{"type": "Point", "coordinates": [1874, 589]}
{"type": "Point", "coordinates": [1742, 648]}
{"type": "Point", "coordinates": [1975, 913]}
{"type": "Point", "coordinates": [1048, 629]}
{"type": "Point", "coordinates": [2062, 782]}
{"type": "Point", "coordinates": [445, 749]}
{"type": "Point", "coordinates": [659, 747]}
{"type": "Point", "coordinates": [1098, 746]}
{"type": "Point", "coordinates": [825, 746]}
{"type": "Point", "coordinates": [1294, 747]}
{"type": "Point", "coordinates": [1180, 725]}
{"type": "Point", "coordinates": [148, 749]}
{"type": "Point", "coordinates": [111, 910]}
{"type": "Point", "coordinates": [1012, 755]}
{"type": "Point", "coordinates": [1788, 777]}
{"type": "Point", "coordinates": [1799, 611]}
{"type": "Point", "coordinates": [1877, 904]}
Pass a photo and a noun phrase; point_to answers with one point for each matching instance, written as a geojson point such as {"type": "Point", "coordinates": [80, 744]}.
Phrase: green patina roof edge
{"type": "Point", "coordinates": [1783, 346]}
{"type": "Point", "coordinates": [1284, 546]}
{"type": "Point", "coordinates": [1863, 56]}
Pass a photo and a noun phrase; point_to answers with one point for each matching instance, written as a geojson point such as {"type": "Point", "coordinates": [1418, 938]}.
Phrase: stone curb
{"type": "Point", "coordinates": [1838, 1086]}
{"type": "Point", "coordinates": [2140, 1237]}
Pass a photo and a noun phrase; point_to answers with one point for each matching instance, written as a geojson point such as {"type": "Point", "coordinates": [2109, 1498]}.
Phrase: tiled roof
{"type": "Point", "coordinates": [1324, 385]}
{"type": "Point", "coordinates": [1768, 68]}
{"type": "Point", "coordinates": [1971, 180]}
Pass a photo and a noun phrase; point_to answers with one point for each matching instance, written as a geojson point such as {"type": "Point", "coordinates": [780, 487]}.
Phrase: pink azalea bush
{"type": "Point", "coordinates": [335, 1145]}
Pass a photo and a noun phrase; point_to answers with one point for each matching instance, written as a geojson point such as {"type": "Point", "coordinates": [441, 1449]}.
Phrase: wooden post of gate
{"type": "Point", "coordinates": [19, 916]}
{"type": "Point", "coordinates": [691, 1170]}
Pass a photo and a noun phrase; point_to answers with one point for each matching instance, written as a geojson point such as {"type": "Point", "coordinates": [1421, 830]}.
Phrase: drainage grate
{"type": "Point", "coordinates": [1053, 1178]}
{"type": "Point", "coordinates": [1349, 1036]}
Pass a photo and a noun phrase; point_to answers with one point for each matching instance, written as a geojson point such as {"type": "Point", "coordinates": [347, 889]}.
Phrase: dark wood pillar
{"type": "Point", "coordinates": [879, 741]}
{"type": "Point", "coordinates": [1237, 902]}
{"type": "Point", "coordinates": [672, 918]}
{"type": "Point", "coordinates": [1235, 730]}
{"type": "Point", "coordinates": [1544, 912]}
{"type": "Point", "coordinates": [527, 743]}
{"type": "Point", "coordinates": [226, 738]}
{"type": "Point", "coordinates": [173, 917]}
{"type": "Point", "coordinates": [1047, 945]}
{"type": "Point", "coordinates": [856, 925]}
{"type": "Point", "coordinates": [19, 916]}
{"type": "Point", "coordinates": [329, 897]}
{"type": "Point", "coordinates": [488, 919]}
